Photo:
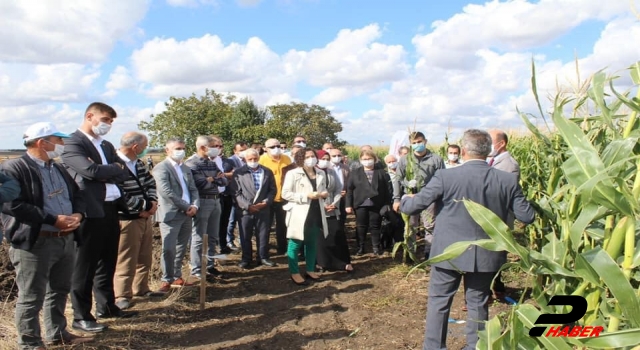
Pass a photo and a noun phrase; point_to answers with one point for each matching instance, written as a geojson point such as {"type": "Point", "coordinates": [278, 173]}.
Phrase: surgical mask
{"type": "Point", "coordinates": [252, 165]}
{"type": "Point", "coordinates": [310, 162]}
{"type": "Point", "coordinates": [301, 144]}
{"type": "Point", "coordinates": [392, 165]}
{"type": "Point", "coordinates": [493, 151]}
{"type": "Point", "coordinates": [241, 155]}
{"type": "Point", "coordinates": [323, 164]}
{"type": "Point", "coordinates": [213, 152]}
{"type": "Point", "coordinates": [418, 147]}
{"type": "Point", "coordinates": [452, 157]}
{"type": "Point", "coordinates": [336, 160]}
{"type": "Point", "coordinates": [178, 155]}
{"type": "Point", "coordinates": [275, 151]}
{"type": "Point", "coordinates": [367, 163]}
{"type": "Point", "coordinates": [102, 129]}
{"type": "Point", "coordinates": [57, 151]}
{"type": "Point", "coordinates": [143, 153]}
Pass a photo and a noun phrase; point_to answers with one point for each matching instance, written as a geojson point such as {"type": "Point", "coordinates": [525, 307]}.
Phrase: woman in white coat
{"type": "Point", "coordinates": [303, 188]}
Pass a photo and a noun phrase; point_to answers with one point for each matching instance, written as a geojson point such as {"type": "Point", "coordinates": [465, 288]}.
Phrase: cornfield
{"type": "Point", "coordinates": [583, 178]}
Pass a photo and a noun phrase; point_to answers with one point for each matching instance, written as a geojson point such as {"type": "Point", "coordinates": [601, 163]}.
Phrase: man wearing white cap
{"type": "Point", "coordinates": [41, 225]}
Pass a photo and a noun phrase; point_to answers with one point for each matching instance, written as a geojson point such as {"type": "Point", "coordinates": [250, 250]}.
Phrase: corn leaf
{"type": "Point", "coordinates": [616, 340]}
{"type": "Point", "coordinates": [528, 315]}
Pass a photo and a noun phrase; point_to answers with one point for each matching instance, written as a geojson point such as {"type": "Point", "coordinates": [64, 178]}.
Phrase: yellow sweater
{"type": "Point", "coordinates": [276, 167]}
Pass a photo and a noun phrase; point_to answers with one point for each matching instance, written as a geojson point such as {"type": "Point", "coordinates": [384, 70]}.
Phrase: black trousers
{"type": "Point", "coordinates": [226, 203]}
{"type": "Point", "coordinates": [258, 225]}
{"type": "Point", "coordinates": [95, 265]}
{"type": "Point", "coordinates": [279, 215]}
{"type": "Point", "coordinates": [368, 219]}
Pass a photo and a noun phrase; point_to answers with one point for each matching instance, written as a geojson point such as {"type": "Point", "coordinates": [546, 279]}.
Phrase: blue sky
{"type": "Point", "coordinates": [377, 65]}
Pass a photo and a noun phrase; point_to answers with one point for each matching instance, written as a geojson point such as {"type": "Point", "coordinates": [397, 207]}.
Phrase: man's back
{"type": "Point", "coordinates": [474, 180]}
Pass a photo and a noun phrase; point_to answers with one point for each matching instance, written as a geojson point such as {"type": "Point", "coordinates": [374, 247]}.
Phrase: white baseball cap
{"type": "Point", "coordinates": [40, 130]}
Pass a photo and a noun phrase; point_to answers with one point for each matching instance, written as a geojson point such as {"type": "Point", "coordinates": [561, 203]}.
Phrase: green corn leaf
{"type": "Point", "coordinates": [610, 272]}
{"type": "Point", "coordinates": [588, 214]}
{"type": "Point", "coordinates": [490, 338]}
{"type": "Point", "coordinates": [635, 73]}
{"type": "Point", "coordinates": [615, 340]}
{"type": "Point", "coordinates": [528, 315]}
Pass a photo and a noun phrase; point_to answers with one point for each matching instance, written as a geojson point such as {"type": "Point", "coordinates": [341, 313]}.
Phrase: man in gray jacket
{"type": "Point", "coordinates": [499, 192]}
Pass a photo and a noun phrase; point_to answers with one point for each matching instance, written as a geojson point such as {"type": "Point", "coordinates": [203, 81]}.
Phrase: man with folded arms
{"type": "Point", "coordinates": [207, 177]}
{"type": "Point", "coordinates": [136, 227]}
{"type": "Point", "coordinates": [40, 225]}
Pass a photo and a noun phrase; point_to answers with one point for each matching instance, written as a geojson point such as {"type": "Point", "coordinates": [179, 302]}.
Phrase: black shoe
{"type": "Point", "coordinates": [301, 257]}
{"type": "Point", "coordinates": [225, 250]}
{"type": "Point", "coordinates": [360, 251]}
{"type": "Point", "coordinates": [268, 262]}
{"type": "Point", "coordinates": [244, 265]}
{"type": "Point", "coordinates": [214, 271]}
{"type": "Point", "coordinates": [117, 313]}
{"type": "Point", "coordinates": [88, 326]}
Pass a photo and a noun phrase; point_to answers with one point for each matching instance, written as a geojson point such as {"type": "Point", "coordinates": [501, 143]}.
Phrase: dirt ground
{"type": "Point", "coordinates": [375, 307]}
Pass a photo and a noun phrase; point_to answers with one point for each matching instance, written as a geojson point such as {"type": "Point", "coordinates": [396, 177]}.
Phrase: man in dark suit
{"type": "Point", "coordinates": [94, 164]}
{"type": "Point", "coordinates": [500, 192]}
{"type": "Point", "coordinates": [254, 189]}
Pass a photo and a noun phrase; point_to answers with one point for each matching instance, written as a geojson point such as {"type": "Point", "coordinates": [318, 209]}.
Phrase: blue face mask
{"type": "Point", "coordinates": [418, 147]}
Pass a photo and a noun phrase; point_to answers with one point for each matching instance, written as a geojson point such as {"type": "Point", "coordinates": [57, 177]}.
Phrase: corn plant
{"type": "Point", "coordinates": [584, 182]}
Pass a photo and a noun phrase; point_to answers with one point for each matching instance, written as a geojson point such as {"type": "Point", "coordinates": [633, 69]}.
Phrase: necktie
{"type": "Point", "coordinates": [491, 161]}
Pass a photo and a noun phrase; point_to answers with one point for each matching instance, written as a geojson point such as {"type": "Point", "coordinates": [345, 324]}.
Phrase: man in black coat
{"type": "Point", "coordinates": [92, 161]}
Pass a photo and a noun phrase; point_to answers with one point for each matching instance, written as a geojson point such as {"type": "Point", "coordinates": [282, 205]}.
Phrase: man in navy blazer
{"type": "Point", "coordinates": [498, 191]}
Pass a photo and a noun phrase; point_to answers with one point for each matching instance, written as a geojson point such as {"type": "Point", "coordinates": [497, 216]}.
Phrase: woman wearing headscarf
{"type": "Point", "coordinates": [333, 250]}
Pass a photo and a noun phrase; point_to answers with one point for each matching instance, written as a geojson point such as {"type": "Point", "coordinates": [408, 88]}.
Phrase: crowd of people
{"type": "Point", "coordinates": [82, 227]}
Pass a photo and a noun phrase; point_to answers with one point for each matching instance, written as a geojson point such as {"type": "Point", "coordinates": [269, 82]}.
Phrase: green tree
{"type": "Point", "coordinates": [246, 123]}
{"type": "Point", "coordinates": [314, 122]}
{"type": "Point", "coordinates": [189, 117]}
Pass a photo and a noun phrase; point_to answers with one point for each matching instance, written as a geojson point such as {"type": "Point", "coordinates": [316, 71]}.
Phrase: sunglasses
{"type": "Point", "coordinates": [217, 146]}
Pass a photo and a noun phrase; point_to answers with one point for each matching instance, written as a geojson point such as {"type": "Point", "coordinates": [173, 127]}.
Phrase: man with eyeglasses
{"type": "Point", "coordinates": [428, 163]}
{"type": "Point", "coordinates": [274, 161]}
{"type": "Point", "coordinates": [41, 227]}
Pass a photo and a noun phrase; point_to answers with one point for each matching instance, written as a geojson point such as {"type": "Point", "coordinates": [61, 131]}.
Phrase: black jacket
{"type": "Point", "coordinates": [84, 164]}
{"type": "Point", "coordinates": [23, 217]}
{"type": "Point", "coordinates": [359, 188]}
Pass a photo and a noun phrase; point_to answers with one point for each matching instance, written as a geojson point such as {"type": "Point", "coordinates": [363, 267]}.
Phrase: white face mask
{"type": "Point", "coordinates": [392, 165]}
{"type": "Point", "coordinates": [252, 165]}
{"type": "Point", "coordinates": [323, 164]}
{"type": "Point", "coordinates": [57, 151]}
{"type": "Point", "coordinates": [275, 151]}
{"type": "Point", "coordinates": [367, 163]}
{"type": "Point", "coordinates": [452, 157]}
{"type": "Point", "coordinates": [310, 162]}
{"type": "Point", "coordinates": [178, 155]}
{"type": "Point", "coordinates": [241, 155]}
{"type": "Point", "coordinates": [102, 129]}
{"type": "Point", "coordinates": [213, 152]}
{"type": "Point", "coordinates": [493, 151]}
{"type": "Point", "coordinates": [301, 144]}
{"type": "Point", "coordinates": [336, 160]}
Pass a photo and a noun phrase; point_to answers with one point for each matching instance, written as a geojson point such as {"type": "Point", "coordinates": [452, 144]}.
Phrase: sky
{"type": "Point", "coordinates": [378, 66]}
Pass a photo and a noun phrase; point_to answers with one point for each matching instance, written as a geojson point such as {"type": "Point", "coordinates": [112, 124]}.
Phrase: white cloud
{"type": "Point", "coordinates": [466, 76]}
{"type": "Point", "coordinates": [191, 3]}
{"type": "Point", "coordinates": [70, 31]}
{"type": "Point", "coordinates": [120, 79]}
{"type": "Point", "coordinates": [23, 84]}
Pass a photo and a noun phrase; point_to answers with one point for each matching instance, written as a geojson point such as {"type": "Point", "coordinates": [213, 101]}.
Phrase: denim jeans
{"type": "Point", "coordinates": [206, 221]}
{"type": "Point", "coordinates": [43, 276]}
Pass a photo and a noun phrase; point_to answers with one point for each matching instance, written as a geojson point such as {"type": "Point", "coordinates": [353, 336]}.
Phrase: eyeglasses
{"type": "Point", "coordinates": [217, 146]}
{"type": "Point", "coordinates": [272, 147]}
{"type": "Point", "coordinates": [283, 147]}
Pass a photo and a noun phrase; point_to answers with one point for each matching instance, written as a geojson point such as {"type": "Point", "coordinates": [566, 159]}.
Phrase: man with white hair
{"type": "Point", "coordinates": [207, 177]}
{"type": "Point", "coordinates": [274, 161]}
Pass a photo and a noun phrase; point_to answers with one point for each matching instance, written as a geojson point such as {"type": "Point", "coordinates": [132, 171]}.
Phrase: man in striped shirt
{"type": "Point", "coordinates": [136, 235]}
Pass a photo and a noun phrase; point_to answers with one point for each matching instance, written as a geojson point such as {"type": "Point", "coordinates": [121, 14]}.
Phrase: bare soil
{"type": "Point", "coordinates": [375, 307]}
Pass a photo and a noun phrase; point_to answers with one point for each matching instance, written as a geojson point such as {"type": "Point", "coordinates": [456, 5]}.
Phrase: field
{"type": "Point", "coordinates": [376, 307]}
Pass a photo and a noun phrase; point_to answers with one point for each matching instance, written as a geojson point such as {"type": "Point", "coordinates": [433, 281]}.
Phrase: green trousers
{"type": "Point", "coordinates": [310, 233]}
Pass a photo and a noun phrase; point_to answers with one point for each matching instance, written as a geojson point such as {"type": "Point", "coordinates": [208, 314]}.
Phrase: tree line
{"type": "Point", "coordinates": [240, 120]}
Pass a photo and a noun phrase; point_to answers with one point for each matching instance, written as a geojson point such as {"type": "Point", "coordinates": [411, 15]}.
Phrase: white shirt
{"type": "Point", "coordinates": [113, 192]}
{"type": "Point", "coordinates": [338, 170]}
{"type": "Point", "coordinates": [218, 161]}
{"type": "Point", "coordinates": [131, 164]}
{"type": "Point", "coordinates": [185, 190]}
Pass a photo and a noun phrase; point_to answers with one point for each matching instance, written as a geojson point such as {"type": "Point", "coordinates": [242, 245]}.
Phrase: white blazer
{"type": "Point", "coordinates": [295, 190]}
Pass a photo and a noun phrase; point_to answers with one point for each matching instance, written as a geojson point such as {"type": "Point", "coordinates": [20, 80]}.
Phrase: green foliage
{"type": "Point", "coordinates": [313, 122]}
{"type": "Point", "coordinates": [240, 120]}
{"type": "Point", "coordinates": [584, 182]}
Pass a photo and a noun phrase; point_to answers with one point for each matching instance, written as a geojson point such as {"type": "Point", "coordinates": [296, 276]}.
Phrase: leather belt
{"type": "Point", "coordinates": [54, 233]}
{"type": "Point", "coordinates": [210, 196]}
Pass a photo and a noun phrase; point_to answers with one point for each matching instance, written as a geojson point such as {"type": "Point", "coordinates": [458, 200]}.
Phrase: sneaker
{"type": "Point", "coordinates": [213, 271]}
